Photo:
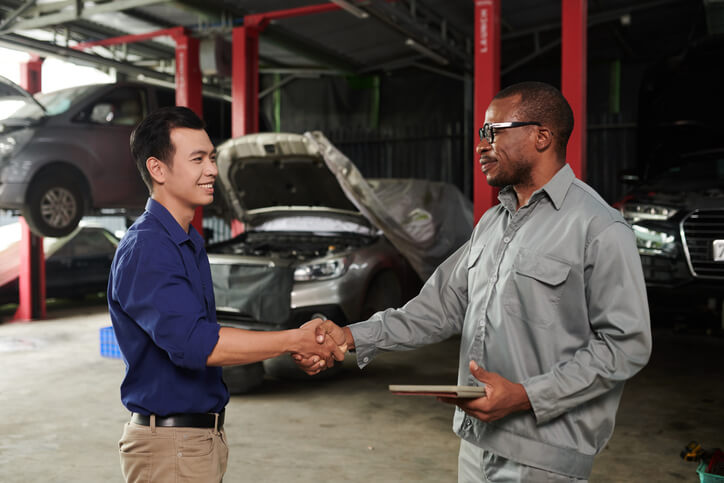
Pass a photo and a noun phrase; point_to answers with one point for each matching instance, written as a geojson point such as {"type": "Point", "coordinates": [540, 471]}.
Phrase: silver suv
{"type": "Point", "coordinates": [65, 154]}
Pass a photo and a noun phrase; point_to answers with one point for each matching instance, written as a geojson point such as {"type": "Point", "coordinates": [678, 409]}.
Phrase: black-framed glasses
{"type": "Point", "coordinates": [487, 132]}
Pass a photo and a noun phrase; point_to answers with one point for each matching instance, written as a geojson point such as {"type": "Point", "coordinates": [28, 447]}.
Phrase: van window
{"type": "Point", "coordinates": [125, 106]}
{"type": "Point", "coordinates": [57, 102]}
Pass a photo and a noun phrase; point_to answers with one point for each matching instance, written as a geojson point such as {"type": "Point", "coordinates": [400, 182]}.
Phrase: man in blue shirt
{"type": "Point", "coordinates": [161, 302]}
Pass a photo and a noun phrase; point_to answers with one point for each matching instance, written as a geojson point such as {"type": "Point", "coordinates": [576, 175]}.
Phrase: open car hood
{"type": "Point", "coordinates": [265, 170]}
{"type": "Point", "coordinates": [425, 220]}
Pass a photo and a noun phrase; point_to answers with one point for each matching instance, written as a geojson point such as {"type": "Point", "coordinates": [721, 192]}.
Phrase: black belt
{"type": "Point", "coordinates": [188, 420]}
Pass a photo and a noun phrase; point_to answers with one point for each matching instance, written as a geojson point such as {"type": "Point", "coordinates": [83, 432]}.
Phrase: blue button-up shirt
{"type": "Point", "coordinates": [161, 302]}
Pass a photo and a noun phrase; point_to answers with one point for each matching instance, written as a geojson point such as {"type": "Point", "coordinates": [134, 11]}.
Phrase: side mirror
{"type": "Point", "coordinates": [102, 113]}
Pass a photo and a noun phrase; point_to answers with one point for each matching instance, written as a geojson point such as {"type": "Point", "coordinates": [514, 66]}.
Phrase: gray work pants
{"type": "Point", "coordinates": [475, 465]}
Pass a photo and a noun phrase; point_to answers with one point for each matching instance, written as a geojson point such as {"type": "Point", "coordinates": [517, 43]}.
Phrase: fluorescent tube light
{"type": "Point", "coordinates": [345, 5]}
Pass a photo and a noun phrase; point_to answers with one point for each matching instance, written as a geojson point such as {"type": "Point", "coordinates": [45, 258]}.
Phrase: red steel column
{"type": "Point", "coordinates": [574, 25]}
{"type": "Point", "coordinates": [486, 85]}
{"type": "Point", "coordinates": [245, 79]}
{"type": "Point", "coordinates": [245, 85]}
{"type": "Point", "coordinates": [188, 91]}
{"type": "Point", "coordinates": [31, 279]}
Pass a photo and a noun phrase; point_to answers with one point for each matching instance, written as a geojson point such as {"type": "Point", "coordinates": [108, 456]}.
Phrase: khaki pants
{"type": "Point", "coordinates": [159, 455]}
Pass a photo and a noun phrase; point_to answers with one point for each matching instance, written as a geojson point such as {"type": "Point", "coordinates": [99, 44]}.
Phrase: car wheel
{"type": "Point", "coordinates": [243, 379]}
{"type": "Point", "coordinates": [383, 292]}
{"type": "Point", "coordinates": [54, 207]}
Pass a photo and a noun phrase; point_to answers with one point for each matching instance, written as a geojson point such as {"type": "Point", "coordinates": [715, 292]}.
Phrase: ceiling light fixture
{"type": "Point", "coordinates": [356, 11]}
{"type": "Point", "coordinates": [426, 52]}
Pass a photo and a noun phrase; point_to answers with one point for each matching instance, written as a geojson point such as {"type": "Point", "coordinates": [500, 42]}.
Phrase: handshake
{"type": "Point", "coordinates": [321, 342]}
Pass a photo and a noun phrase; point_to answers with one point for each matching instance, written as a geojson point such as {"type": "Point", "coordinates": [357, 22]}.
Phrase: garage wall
{"type": "Point", "coordinates": [408, 124]}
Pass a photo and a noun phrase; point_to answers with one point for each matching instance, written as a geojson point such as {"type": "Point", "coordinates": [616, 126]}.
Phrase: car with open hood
{"type": "Point", "coordinates": [320, 240]}
{"type": "Point", "coordinates": [678, 219]}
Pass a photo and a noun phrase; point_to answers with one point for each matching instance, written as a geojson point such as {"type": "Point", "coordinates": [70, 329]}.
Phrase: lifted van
{"type": "Point", "coordinates": [66, 154]}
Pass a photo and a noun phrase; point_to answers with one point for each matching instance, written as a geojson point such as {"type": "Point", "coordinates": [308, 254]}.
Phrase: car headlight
{"type": "Point", "coordinates": [10, 143]}
{"type": "Point", "coordinates": [634, 212]}
{"type": "Point", "coordinates": [325, 270]}
{"type": "Point", "coordinates": [654, 242]}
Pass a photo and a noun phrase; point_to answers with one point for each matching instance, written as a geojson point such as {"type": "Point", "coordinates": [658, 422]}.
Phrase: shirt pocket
{"type": "Point", "coordinates": [534, 288]}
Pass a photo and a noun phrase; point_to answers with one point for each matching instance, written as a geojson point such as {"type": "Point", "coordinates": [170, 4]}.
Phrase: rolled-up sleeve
{"type": "Point", "coordinates": [161, 300]}
{"type": "Point", "coordinates": [619, 318]}
{"type": "Point", "coordinates": [434, 315]}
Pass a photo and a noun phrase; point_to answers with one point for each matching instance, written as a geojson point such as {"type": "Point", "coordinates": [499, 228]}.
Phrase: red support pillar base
{"type": "Point", "coordinates": [31, 280]}
{"type": "Point", "coordinates": [486, 85]}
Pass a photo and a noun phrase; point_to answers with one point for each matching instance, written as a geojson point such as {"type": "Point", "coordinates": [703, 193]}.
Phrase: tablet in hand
{"type": "Point", "coordinates": [439, 390]}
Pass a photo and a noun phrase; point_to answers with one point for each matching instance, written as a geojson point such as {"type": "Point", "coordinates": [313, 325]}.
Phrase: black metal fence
{"type": "Point", "coordinates": [428, 151]}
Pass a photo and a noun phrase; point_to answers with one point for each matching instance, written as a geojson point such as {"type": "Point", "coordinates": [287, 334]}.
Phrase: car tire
{"type": "Point", "coordinates": [243, 379]}
{"type": "Point", "coordinates": [54, 205]}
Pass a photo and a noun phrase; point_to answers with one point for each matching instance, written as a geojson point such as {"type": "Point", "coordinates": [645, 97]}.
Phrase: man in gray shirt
{"type": "Point", "coordinates": [550, 300]}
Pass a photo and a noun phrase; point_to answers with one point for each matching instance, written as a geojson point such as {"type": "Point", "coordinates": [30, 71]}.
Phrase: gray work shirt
{"type": "Point", "coordinates": [551, 296]}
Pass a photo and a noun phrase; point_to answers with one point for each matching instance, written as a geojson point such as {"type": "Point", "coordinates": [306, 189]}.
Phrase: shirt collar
{"type": "Point", "coordinates": [556, 188]}
{"type": "Point", "coordinates": [177, 234]}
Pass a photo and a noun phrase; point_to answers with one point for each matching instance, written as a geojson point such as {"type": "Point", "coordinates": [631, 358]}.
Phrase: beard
{"type": "Point", "coordinates": [512, 173]}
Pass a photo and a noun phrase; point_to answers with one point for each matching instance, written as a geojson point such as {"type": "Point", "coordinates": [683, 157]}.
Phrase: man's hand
{"type": "Point", "coordinates": [327, 335]}
{"type": "Point", "coordinates": [502, 397]}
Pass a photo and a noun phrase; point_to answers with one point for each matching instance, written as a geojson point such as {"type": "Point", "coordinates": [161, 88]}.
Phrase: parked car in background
{"type": "Point", "coordinates": [75, 265]}
{"type": "Point", "coordinates": [320, 240]}
{"type": "Point", "coordinates": [66, 154]}
{"type": "Point", "coordinates": [678, 219]}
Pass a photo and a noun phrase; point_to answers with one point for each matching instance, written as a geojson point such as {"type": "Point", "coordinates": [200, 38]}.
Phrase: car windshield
{"type": "Point", "coordinates": [19, 108]}
{"type": "Point", "coordinates": [57, 102]}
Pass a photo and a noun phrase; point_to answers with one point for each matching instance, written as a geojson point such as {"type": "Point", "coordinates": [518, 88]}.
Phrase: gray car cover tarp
{"type": "Point", "coordinates": [259, 292]}
{"type": "Point", "coordinates": [425, 220]}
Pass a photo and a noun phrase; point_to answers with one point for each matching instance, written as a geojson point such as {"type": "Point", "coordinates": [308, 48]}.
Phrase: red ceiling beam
{"type": "Point", "coordinates": [129, 39]}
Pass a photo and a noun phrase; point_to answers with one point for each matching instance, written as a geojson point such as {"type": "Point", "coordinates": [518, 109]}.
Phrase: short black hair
{"type": "Point", "coordinates": [152, 136]}
{"type": "Point", "coordinates": [545, 104]}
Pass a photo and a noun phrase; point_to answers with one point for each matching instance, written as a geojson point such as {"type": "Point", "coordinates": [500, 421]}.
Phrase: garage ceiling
{"type": "Point", "coordinates": [339, 42]}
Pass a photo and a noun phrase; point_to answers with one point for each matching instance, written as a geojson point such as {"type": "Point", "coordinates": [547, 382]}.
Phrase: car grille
{"type": "Point", "coordinates": [699, 230]}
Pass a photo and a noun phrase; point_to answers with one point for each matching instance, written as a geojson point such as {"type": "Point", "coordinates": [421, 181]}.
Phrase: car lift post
{"type": "Point", "coordinates": [486, 85]}
{"type": "Point", "coordinates": [31, 280]}
{"type": "Point", "coordinates": [188, 91]}
{"type": "Point", "coordinates": [574, 26]}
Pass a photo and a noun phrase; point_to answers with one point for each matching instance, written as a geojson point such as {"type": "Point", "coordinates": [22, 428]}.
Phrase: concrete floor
{"type": "Point", "coordinates": [62, 417]}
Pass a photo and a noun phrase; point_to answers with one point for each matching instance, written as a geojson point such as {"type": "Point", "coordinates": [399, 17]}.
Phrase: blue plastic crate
{"type": "Point", "coordinates": [109, 344]}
